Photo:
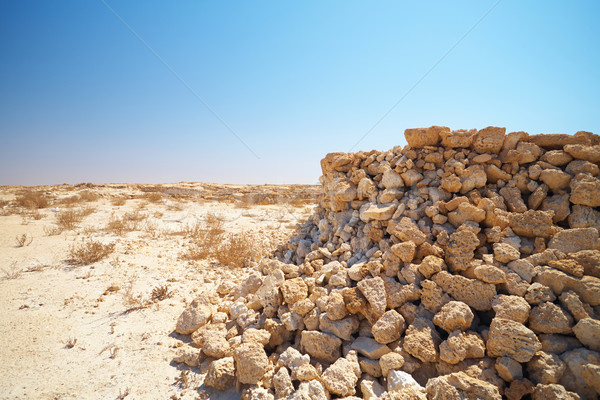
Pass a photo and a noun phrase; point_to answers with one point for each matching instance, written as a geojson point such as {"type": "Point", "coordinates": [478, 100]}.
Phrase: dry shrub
{"type": "Point", "coordinates": [118, 201]}
{"type": "Point", "coordinates": [12, 271]}
{"type": "Point", "coordinates": [88, 195]}
{"type": "Point", "coordinates": [205, 239]}
{"type": "Point", "coordinates": [127, 223]}
{"type": "Point", "coordinates": [160, 293]}
{"type": "Point", "coordinates": [236, 249]}
{"type": "Point", "coordinates": [32, 199]}
{"type": "Point", "coordinates": [89, 251]}
{"type": "Point", "coordinates": [52, 230]}
{"type": "Point", "coordinates": [152, 197]}
{"type": "Point", "coordinates": [68, 219]}
{"type": "Point", "coordinates": [23, 240]}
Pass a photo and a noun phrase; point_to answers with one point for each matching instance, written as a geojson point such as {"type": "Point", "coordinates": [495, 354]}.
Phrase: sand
{"type": "Point", "coordinates": [69, 331]}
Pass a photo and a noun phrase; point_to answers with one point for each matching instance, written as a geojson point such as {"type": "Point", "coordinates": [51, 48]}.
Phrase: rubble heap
{"type": "Point", "coordinates": [464, 265]}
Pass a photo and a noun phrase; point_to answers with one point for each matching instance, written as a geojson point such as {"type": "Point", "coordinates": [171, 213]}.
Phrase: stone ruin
{"type": "Point", "coordinates": [465, 265]}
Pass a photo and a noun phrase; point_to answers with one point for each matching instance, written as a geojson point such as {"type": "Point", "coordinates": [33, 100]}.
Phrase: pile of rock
{"type": "Point", "coordinates": [464, 265]}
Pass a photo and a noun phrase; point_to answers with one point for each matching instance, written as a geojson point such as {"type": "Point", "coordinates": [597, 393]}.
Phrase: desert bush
{"type": "Point", "coordinates": [236, 249]}
{"type": "Point", "coordinates": [32, 199]}
{"type": "Point", "coordinates": [52, 230]}
{"type": "Point", "coordinates": [88, 195]}
{"type": "Point", "coordinates": [152, 197]}
{"type": "Point", "coordinates": [89, 251]}
{"type": "Point", "coordinates": [127, 223]}
{"type": "Point", "coordinates": [160, 293]}
{"type": "Point", "coordinates": [23, 240]}
{"type": "Point", "coordinates": [68, 219]}
{"type": "Point", "coordinates": [118, 201]}
{"type": "Point", "coordinates": [205, 239]}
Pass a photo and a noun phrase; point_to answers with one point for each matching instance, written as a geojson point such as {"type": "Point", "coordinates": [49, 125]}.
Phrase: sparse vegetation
{"type": "Point", "coordinates": [160, 293]}
{"type": "Point", "coordinates": [68, 219]}
{"type": "Point", "coordinates": [118, 201]}
{"type": "Point", "coordinates": [89, 251]}
{"type": "Point", "coordinates": [71, 342]}
{"type": "Point", "coordinates": [23, 240]}
{"type": "Point", "coordinates": [12, 271]}
{"type": "Point", "coordinates": [32, 199]}
{"type": "Point", "coordinates": [127, 223]}
{"type": "Point", "coordinates": [52, 230]}
{"type": "Point", "coordinates": [123, 394]}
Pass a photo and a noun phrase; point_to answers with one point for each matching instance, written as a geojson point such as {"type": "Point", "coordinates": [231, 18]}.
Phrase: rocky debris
{"type": "Point", "coordinates": [464, 265]}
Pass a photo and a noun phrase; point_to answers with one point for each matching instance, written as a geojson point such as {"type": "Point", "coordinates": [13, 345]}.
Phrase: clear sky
{"type": "Point", "coordinates": [82, 99]}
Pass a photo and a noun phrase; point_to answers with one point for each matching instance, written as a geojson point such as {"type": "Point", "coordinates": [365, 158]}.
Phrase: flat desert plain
{"type": "Point", "coordinates": [94, 277]}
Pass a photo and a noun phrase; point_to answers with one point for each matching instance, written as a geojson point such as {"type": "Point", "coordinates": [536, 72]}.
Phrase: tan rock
{"type": "Point", "coordinates": [390, 361]}
{"type": "Point", "coordinates": [590, 260]}
{"type": "Point", "coordinates": [559, 204]}
{"type": "Point", "coordinates": [405, 251]}
{"type": "Point", "coordinates": [574, 240]}
{"type": "Point", "coordinates": [494, 174]}
{"type": "Point", "coordinates": [569, 266]}
{"type": "Point", "coordinates": [366, 189]}
{"type": "Point", "coordinates": [294, 290]}
{"type": "Point", "coordinates": [555, 179]}
{"type": "Point", "coordinates": [508, 369]}
{"type": "Point", "coordinates": [460, 249]}
{"type": "Point", "coordinates": [193, 318]}
{"type": "Point", "coordinates": [458, 386]}
{"type": "Point", "coordinates": [418, 138]}
{"type": "Point", "coordinates": [545, 368]}
{"type": "Point", "coordinates": [587, 332]}
{"type": "Point", "coordinates": [343, 328]}
{"type": "Point", "coordinates": [431, 265]}
{"type": "Point", "coordinates": [474, 293]}
{"type": "Point", "coordinates": [406, 230]}
{"type": "Point", "coordinates": [571, 301]}
{"type": "Point", "coordinates": [461, 345]}
{"type": "Point", "coordinates": [505, 253]}
{"type": "Point", "coordinates": [451, 183]}
{"type": "Point", "coordinates": [556, 141]}
{"type": "Point", "coordinates": [282, 383]}
{"type": "Point", "coordinates": [370, 367]}
{"type": "Point", "coordinates": [582, 152]}
{"type": "Point", "coordinates": [378, 212]}
{"type": "Point", "coordinates": [453, 316]}
{"type": "Point", "coordinates": [371, 389]}
{"type": "Point", "coordinates": [461, 138]}
{"type": "Point", "coordinates": [374, 291]}
{"type": "Point", "coordinates": [519, 389]}
{"type": "Point", "coordinates": [411, 177]}
{"type": "Point", "coordinates": [585, 190]}
{"type": "Point", "coordinates": [321, 345]}
{"type": "Point", "coordinates": [389, 327]}
{"type": "Point", "coordinates": [557, 158]}
{"type": "Point", "coordinates": [514, 308]}
{"type": "Point", "coordinates": [512, 339]}
{"type": "Point", "coordinates": [579, 166]}
{"type": "Point", "coordinates": [573, 379]}
{"type": "Point", "coordinates": [591, 375]}
{"type": "Point", "coordinates": [466, 212]}
{"type": "Point", "coordinates": [584, 217]}
{"type": "Point", "coordinates": [550, 318]}
{"type": "Point", "coordinates": [532, 224]}
{"type": "Point", "coordinates": [221, 374]}
{"type": "Point", "coordinates": [552, 391]}
{"type": "Point", "coordinates": [489, 140]}
{"type": "Point", "coordinates": [489, 274]}
{"type": "Point", "coordinates": [513, 199]}
{"type": "Point", "coordinates": [251, 362]}
{"type": "Point", "coordinates": [392, 180]}
{"type": "Point", "coordinates": [422, 341]}
{"type": "Point", "coordinates": [369, 348]}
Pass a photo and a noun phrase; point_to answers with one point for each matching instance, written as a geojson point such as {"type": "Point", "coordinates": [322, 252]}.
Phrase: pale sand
{"type": "Point", "coordinates": [41, 310]}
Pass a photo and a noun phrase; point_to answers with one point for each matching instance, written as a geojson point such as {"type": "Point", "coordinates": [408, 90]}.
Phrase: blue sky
{"type": "Point", "coordinates": [83, 100]}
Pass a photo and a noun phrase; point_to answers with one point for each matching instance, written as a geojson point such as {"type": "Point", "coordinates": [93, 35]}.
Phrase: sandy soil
{"type": "Point", "coordinates": [69, 331]}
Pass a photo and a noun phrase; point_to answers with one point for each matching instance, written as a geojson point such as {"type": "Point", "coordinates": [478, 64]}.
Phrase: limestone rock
{"type": "Point", "coordinates": [582, 152]}
{"type": "Point", "coordinates": [343, 328]}
{"type": "Point", "coordinates": [591, 376]}
{"type": "Point", "coordinates": [545, 368]}
{"type": "Point", "coordinates": [406, 230]}
{"type": "Point", "coordinates": [460, 249]}
{"type": "Point", "coordinates": [399, 380]}
{"type": "Point", "coordinates": [514, 308]}
{"type": "Point", "coordinates": [505, 253]}
{"type": "Point", "coordinates": [555, 179]}
{"type": "Point", "coordinates": [390, 361]}
{"type": "Point", "coordinates": [294, 290]}
{"type": "Point", "coordinates": [453, 316]}
{"type": "Point", "coordinates": [282, 383]}
{"type": "Point", "coordinates": [221, 374]}
{"type": "Point", "coordinates": [374, 291]}
{"type": "Point", "coordinates": [489, 140]}
{"type": "Point", "coordinates": [369, 348]}
{"type": "Point", "coordinates": [550, 318]}
{"type": "Point", "coordinates": [193, 318]}
{"type": "Point", "coordinates": [474, 293]}
{"type": "Point", "coordinates": [251, 362]}
{"type": "Point", "coordinates": [587, 332]}
{"type": "Point", "coordinates": [489, 274]}
{"type": "Point", "coordinates": [321, 345]}
{"type": "Point", "coordinates": [391, 180]}
{"type": "Point", "coordinates": [552, 392]}
{"type": "Point", "coordinates": [459, 386]}
{"type": "Point", "coordinates": [389, 327]}
{"type": "Point", "coordinates": [573, 379]}
{"type": "Point", "coordinates": [341, 376]}
{"type": "Point", "coordinates": [508, 369]}
{"type": "Point", "coordinates": [461, 345]}
{"type": "Point", "coordinates": [584, 217]}
{"type": "Point", "coordinates": [404, 251]}
{"type": "Point", "coordinates": [422, 340]}
{"type": "Point", "coordinates": [585, 190]}
{"type": "Point", "coordinates": [378, 212]}
{"type": "Point", "coordinates": [420, 137]}
{"type": "Point", "coordinates": [461, 138]}
{"type": "Point", "coordinates": [532, 224]}
{"type": "Point", "coordinates": [574, 240]}
{"type": "Point", "coordinates": [512, 339]}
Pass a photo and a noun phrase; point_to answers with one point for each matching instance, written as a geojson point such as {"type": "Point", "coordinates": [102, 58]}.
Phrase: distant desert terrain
{"type": "Point", "coordinates": [94, 277]}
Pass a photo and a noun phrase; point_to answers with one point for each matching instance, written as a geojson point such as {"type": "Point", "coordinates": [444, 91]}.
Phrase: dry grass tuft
{"type": "Point", "coordinates": [12, 271]}
{"type": "Point", "coordinates": [52, 230]}
{"type": "Point", "coordinates": [71, 342]}
{"type": "Point", "coordinates": [127, 223]}
{"type": "Point", "coordinates": [89, 251]}
{"type": "Point", "coordinates": [68, 219]}
{"type": "Point", "coordinates": [160, 293]}
{"type": "Point", "coordinates": [118, 201]}
{"type": "Point", "coordinates": [236, 249]}
{"type": "Point", "coordinates": [23, 240]}
{"type": "Point", "coordinates": [32, 199]}
{"type": "Point", "coordinates": [152, 197]}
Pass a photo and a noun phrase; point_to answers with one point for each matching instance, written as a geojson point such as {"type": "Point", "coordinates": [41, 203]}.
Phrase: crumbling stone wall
{"type": "Point", "coordinates": [464, 265]}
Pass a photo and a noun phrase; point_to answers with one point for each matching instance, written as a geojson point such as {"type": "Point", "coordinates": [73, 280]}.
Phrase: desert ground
{"type": "Point", "coordinates": [94, 277]}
